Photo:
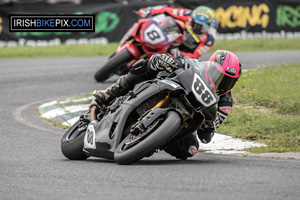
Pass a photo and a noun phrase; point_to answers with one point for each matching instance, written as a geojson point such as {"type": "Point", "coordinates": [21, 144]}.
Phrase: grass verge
{"type": "Point", "coordinates": [58, 51]}
{"type": "Point", "coordinates": [267, 109]}
{"type": "Point", "coordinates": [106, 50]}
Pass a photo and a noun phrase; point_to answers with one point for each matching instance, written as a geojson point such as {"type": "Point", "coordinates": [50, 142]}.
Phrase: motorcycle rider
{"type": "Point", "coordinates": [147, 69]}
{"type": "Point", "coordinates": [200, 28]}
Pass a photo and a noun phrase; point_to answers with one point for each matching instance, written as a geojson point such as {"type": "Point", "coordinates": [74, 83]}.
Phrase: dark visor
{"type": "Point", "coordinates": [197, 27]}
{"type": "Point", "coordinates": [213, 75]}
{"type": "Point", "coordinates": [226, 84]}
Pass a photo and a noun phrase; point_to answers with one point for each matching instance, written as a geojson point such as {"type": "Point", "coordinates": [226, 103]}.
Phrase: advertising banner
{"type": "Point", "coordinates": [236, 19]}
{"type": "Point", "coordinates": [255, 18]}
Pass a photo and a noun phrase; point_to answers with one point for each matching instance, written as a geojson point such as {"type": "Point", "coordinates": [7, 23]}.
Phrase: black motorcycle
{"type": "Point", "coordinates": [154, 115]}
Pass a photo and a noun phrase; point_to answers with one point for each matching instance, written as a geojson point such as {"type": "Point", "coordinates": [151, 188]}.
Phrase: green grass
{"type": "Point", "coordinates": [257, 45]}
{"type": "Point", "coordinates": [58, 51]}
{"type": "Point", "coordinates": [272, 87]}
{"type": "Point", "coordinates": [267, 109]}
{"type": "Point", "coordinates": [106, 50]}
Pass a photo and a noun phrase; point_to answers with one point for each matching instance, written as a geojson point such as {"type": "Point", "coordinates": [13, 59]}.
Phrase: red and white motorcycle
{"type": "Point", "coordinates": [145, 38]}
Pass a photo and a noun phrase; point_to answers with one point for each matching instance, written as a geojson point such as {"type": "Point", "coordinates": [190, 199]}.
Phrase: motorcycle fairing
{"type": "Point", "coordinates": [109, 131]}
{"type": "Point", "coordinates": [158, 33]}
{"type": "Point", "coordinates": [105, 145]}
{"type": "Point", "coordinates": [155, 114]}
{"type": "Point", "coordinates": [182, 77]}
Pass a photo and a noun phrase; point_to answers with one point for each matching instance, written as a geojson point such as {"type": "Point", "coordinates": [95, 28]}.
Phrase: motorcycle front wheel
{"type": "Point", "coordinates": [135, 147]}
{"type": "Point", "coordinates": [114, 64]}
{"type": "Point", "coordinates": [72, 143]}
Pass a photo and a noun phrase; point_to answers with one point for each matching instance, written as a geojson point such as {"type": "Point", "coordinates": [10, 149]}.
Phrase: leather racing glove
{"type": "Point", "coordinates": [164, 62]}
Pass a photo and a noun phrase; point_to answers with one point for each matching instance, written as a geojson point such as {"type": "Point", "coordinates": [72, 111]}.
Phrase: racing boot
{"type": "Point", "coordinates": [104, 97]}
{"type": "Point", "coordinates": [207, 131]}
{"type": "Point", "coordinates": [205, 135]}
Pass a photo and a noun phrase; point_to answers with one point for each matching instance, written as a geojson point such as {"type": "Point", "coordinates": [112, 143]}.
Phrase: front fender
{"type": "Point", "coordinates": [133, 50]}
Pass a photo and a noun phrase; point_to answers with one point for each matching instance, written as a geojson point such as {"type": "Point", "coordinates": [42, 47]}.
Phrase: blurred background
{"type": "Point", "coordinates": [236, 19]}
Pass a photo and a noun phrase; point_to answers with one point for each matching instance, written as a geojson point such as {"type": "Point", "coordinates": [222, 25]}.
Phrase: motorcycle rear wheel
{"type": "Point", "coordinates": [72, 143]}
{"type": "Point", "coordinates": [114, 64]}
{"type": "Point", "coordinates": [128, 155]}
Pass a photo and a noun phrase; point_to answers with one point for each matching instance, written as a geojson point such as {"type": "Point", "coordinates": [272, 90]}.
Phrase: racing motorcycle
{"type": "Point", "coordinates": [153, 116]}
{"type": "Point", "coordinates": [146, 37]}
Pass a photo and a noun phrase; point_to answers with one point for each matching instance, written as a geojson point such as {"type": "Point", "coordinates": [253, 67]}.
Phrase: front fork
{"type": "Point", "coordinates": [183, 112]}
{"type": "Point", "coordinates": [159, 109]}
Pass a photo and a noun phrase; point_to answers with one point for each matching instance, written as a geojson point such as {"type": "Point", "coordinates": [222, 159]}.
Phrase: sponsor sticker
{"type": "Point", "coordinates": [193, 150]}
{"type": "Point", "coordinates": [225, 109]}
{"type": "Point", "coordinates": [231, 69]}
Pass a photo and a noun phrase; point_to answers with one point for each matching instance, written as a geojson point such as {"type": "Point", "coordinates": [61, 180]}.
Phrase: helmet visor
{"type": "Point", "coordinates": [226, 84]}
{"type": "Point", "coordinates": [213, 75]}
{"type": "Point", "coordinates": [199, 28]}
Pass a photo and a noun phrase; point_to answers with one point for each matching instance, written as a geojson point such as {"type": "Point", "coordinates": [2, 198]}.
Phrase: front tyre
{"type": "Point", "coordinates": [72, 143]}
{"type": "Point", "coordinates": [114, 64]}
{"type": "Point", "coordinates": [132, 150]}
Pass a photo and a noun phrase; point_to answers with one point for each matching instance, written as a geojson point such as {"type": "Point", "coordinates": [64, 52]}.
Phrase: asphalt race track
{"type": "Point", "coordinates": [33, 167]}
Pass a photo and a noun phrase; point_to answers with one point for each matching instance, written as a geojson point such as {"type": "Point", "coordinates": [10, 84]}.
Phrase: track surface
{"type": "Point", "coordinates": [32, 166]}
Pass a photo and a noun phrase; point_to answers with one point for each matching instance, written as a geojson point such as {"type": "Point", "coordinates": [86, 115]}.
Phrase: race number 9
{"type": "Point", "coordinates": [153, 34]}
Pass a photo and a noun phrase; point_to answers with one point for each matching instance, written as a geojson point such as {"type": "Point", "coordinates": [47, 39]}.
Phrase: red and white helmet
{"type": "Point", "coordinates": [231, 68]}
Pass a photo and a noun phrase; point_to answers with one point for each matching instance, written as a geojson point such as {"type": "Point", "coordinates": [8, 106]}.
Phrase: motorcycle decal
{"type": "Point", "coordinates": [132, 49]}
{"type": "Point", "coordinates": [193, 150]}
{"type": "Point", "coordinates": [171, 83]}
{"type": "Point", "coordinates": [90, 138]}
{"type": "Point", "coordinates": [113, 130]}
{"type": "Point", "coordinates": [188, 12]}
{"type": "Point", "coordinates": [202, 93]}
{"type": "Point", "coordinates": [231, 69]}
{"type": "Point", "coordinates": [225, 109]}
{"type": "Point", "coordinates": [154, 35]}
{"type": "Point", "coordinates": [175, 11]}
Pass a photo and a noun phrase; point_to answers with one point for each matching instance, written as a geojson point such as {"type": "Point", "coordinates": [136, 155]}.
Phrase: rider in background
{"type": "Point", "coordinates": [200, 28]}
{"type": "Point", "coordinates": [147, 69]}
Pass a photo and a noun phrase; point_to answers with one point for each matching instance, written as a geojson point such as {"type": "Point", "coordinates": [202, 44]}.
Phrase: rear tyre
{"type": "Point", "coordinates": [114, 64]}
{"type": "Point", "coordinates": [130, 151]}
{"type": "Point", "coordinates": [72, 143]}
